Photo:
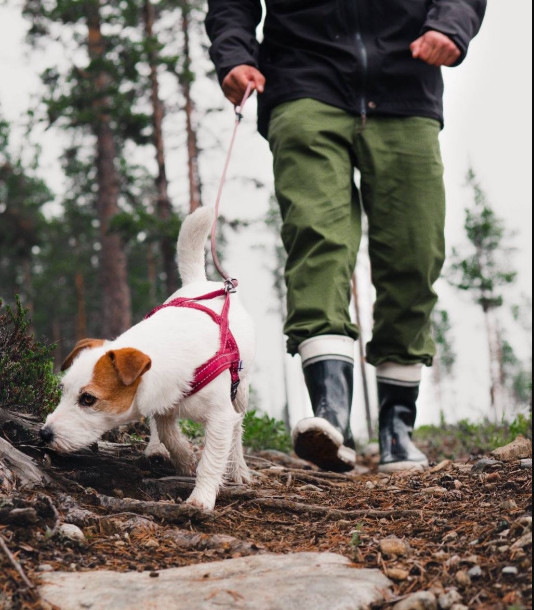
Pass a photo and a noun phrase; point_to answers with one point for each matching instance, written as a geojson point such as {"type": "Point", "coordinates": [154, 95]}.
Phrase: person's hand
{"type": "Point", "coordinates": [236, 82]}
{"type": "Point", "coordinates": [435, 49]}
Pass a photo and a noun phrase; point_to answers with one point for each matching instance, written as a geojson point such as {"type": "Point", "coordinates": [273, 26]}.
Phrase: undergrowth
{"type": "Point", "coordinates": [261, 432]}
{"type": "Point", "coordinates": [27, 380]}
{"type": "Point", "coordinates": [466, 438]}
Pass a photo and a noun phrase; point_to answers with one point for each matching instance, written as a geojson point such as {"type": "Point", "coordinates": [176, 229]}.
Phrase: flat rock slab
{"type": "Point", "coordinates": [313, 581]}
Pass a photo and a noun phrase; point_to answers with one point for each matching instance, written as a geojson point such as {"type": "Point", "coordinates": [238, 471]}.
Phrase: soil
{"type": "Point", "coordinates": [463, 525]}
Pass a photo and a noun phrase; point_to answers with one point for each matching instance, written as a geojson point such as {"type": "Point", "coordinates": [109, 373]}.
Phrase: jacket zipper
{"type": "Point", "coordinates": [362, 50]}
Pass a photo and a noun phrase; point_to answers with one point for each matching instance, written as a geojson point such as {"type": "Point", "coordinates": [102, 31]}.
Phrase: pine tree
{"type": "Point", "coordinates": [483, 272]}
{"type": "Point", "coordinates": [22, 197]}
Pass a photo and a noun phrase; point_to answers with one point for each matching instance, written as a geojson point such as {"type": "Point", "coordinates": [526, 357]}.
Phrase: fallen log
{"type": "Point", "coordinates": [165, 511]}
{"type": "Point", "coordinates": [17, 470]}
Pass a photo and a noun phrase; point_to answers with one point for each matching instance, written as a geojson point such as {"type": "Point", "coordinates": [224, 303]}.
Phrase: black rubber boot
{"type": "Point", "coordinates": [326, 439]}
{"type": "Point", "coordinates": [396, 422]}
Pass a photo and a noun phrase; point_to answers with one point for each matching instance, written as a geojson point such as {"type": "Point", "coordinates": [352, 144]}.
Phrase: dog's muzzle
{"type": "Point", "coordinates": [46, 434]}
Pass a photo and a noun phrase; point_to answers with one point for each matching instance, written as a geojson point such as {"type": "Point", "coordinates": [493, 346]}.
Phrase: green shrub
{"type": "Point", "coordinates": [264, 432]}
{"type": "Point", "coordinates": [260, 432]}
{"type": "Point", "coordinates": [27, 380]}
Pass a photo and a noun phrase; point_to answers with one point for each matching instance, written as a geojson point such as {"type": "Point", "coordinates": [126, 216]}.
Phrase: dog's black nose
{"type": "Point", "coordinates": [46, 434]}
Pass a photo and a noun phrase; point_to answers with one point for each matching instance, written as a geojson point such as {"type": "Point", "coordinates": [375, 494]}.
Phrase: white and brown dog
{"type": "Point", "coordinates": [149, 370]}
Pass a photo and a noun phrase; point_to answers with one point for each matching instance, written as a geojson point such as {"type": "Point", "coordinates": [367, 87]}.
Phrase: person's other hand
{"type": "Point", "coordinates": [236, 82]}
{"type": "Point", "coordinates": [435, 49]}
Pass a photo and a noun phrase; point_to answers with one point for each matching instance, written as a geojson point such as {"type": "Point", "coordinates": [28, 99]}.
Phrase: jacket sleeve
{"type": "Point", "coordinates": [231, 27]}
{"type": "Point", "coordinates": [458, 19]}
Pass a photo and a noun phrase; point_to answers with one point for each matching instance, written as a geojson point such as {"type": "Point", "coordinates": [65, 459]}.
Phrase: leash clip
{"type": "Point", "coordinates": [230, 285]}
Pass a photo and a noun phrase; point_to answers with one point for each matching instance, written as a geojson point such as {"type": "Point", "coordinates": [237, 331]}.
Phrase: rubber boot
{"type": "Point", "coordinates": [326, 439]}
{"type": "Point", "coordinates": [396, 422]}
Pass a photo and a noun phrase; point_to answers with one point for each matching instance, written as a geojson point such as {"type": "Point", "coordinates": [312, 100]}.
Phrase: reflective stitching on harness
{"type": "Point", "coordinates": [227, 357]}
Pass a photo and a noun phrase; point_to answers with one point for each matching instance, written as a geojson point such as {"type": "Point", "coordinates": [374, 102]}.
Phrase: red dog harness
{"type": "Point", "coordinates": [228, 355]}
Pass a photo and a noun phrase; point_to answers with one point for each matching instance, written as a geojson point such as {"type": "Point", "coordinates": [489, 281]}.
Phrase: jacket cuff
{"type": "Point", "coordinates": [462, 45]}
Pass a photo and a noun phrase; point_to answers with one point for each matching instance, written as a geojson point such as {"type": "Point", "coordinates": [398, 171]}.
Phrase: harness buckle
{"type": "Point", "coordinates": [230, 285]}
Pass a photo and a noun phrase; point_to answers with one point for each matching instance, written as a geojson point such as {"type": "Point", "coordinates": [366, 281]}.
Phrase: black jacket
{"type": "Point", "coordinates": [352, 54]}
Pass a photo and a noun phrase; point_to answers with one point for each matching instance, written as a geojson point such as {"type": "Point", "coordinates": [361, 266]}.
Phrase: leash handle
{"type": "Point", "coordinates": [230, 283]}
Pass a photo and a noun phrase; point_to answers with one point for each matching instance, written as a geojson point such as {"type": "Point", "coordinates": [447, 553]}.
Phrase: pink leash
{"type": "Point", "coordinates": [230, 283]}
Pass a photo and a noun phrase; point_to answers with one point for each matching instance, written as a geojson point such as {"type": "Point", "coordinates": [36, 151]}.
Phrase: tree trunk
{"type": "Point", "coordinates": [163, 205]}
{"type": "Point", "coordinates": [186, 78]}
{"type": "Point", "coordinates": [116, 299]}
{"type": "Point", "coordinates": [81, 316]}
{"type": "Point", "coordinates": [152, 273]}
{"type": "Point", "coordinates": [495, 364]}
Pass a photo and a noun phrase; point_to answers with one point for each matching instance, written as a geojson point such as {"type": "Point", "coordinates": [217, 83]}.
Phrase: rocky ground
{"type": "Point", "coordinates": [461, 532]}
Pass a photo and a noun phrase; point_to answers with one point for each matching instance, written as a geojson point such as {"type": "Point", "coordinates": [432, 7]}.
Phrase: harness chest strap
{"type": "Point", "coordinates": [227, 357]}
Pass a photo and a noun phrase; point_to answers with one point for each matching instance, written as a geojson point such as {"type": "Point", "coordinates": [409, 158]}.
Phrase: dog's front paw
{"type": "Point", "coordinates": [156, 450]}
{"type": "Point", "coordinates": [240, 475]}
{"type": "Point", "coordinates": [205, 502]}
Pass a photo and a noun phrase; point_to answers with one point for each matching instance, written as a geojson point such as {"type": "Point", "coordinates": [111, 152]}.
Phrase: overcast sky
{"type": "Point", "coordinates": [488, 106]}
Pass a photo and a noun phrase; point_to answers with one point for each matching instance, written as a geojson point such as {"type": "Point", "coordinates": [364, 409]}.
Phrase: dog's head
{"type": "Point", "coordinates": [98, 392]}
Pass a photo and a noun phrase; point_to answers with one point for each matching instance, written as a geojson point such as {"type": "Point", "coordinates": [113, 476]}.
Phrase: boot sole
{"type": "Point", "coordinates": [317, 446]}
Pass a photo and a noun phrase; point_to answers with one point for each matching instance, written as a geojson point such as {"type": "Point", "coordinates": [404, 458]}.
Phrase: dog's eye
{"type": "Point", "coordinates": [86, 400]}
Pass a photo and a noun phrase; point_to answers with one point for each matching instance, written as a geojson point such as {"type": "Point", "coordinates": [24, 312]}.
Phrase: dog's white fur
{"type": "Point", "coordinates": [176, 341]}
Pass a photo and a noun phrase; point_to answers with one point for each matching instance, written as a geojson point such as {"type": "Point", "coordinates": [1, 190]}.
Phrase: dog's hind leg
{"type": "Point", "coordinates": [179, 448]}
{"type": "Point", "coordinates": [155, 447]}
{"type": "Point", "coordinates": [238, 471]}
{"type": "Point", "coordinates": [214, 461]}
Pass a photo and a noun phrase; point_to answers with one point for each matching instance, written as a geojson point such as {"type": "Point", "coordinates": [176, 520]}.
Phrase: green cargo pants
{"type": "Point", "coordinates": [315, 149]}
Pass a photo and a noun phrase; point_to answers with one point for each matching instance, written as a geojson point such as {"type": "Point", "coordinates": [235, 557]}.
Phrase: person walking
{"type": "Point", "coordinates": [345, 84]}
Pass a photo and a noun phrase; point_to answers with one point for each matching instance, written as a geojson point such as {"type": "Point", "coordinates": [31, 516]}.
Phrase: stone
{"type": "Point", "coordinates": [509, 505]}
{"type": "Point", "coordinates": [463, 578]}
{"type": "Point", "coordinates": [300, 580]}
{"type": "Point", "coordinates": [484, 465]}
{"type": "Point", "coordinates": [394, 547]}
{"type": "Point", "coordinates": [398, 574]}
{"type": "Point", "coordinates": [450, 537]}
{"type": "Point", "coordinates": [526, 464]}
{"type": "Point", "coordinates": [448, 599]}
{"type": "Point", "coordinates": [72, 532]}
{"type": "Point", "coordinates": [520, 448]}
{"type": "Point", "coordinates": [459, 607]}
{"type": "Point", "coordinates": [435, 491]}
{"type": "Point", "coordinates": [418, 601]}
{"type": "Point", "coordinates": [510, 571]}
{"type": "Point", "coordinates": [523, 542]}
{"type": "Point", "coordinates": [475, 572]}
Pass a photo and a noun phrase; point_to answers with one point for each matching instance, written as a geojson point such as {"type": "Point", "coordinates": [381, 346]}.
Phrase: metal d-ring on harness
{"type": "Point", "coordinates": [227, 357]}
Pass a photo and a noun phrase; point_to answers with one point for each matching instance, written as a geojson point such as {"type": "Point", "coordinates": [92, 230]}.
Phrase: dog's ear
{"type": "Point", "coordinates": [129, 363]}
{"type": "Point", "coordinates": [81, 345]}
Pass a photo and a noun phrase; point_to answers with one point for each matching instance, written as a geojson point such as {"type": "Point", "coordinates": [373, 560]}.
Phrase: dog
{"type": "Point", "coordinates": [148, 372]}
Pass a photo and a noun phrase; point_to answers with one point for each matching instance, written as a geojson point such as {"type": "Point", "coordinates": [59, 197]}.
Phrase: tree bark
{"type": "Point", "coordinates": [116, 298]}
{"type": "Point", "coordinates": [81, 316]}
{"type": "Point", "coordinates": [163, 204]}
{"type": "Point", "coordinates": [186, 78]}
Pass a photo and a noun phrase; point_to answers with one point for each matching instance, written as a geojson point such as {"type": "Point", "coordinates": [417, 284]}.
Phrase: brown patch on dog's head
{"type": "Point", "coordinates": [116, 377]}
{"type": "Point", "coordinates": [81, 345]}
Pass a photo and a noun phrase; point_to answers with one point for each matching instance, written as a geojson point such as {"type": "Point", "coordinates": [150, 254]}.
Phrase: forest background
{"type": "Point", "coordinates": [112, 128]}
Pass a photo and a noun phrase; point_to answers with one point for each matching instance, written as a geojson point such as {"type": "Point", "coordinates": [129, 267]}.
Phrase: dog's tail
{"type": "Point", "coordinates": [191, 245]}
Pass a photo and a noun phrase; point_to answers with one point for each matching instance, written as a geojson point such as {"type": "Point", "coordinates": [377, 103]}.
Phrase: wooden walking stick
{"type": "Point", "coordinates": [362, 358]}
